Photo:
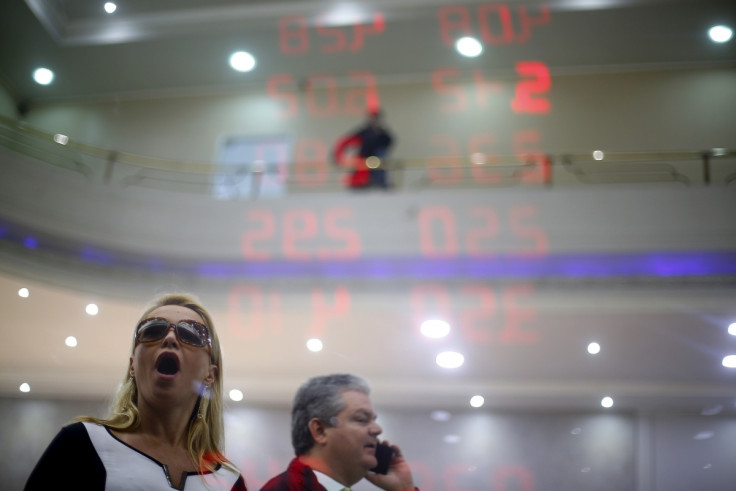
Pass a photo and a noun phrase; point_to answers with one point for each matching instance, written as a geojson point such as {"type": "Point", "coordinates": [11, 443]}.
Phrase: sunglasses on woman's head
{"type": "Point", "coordinates": [189, 332]}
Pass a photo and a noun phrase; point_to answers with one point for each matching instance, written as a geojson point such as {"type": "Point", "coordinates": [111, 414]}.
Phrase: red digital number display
{"type": "Point", "coordinates": [294, 35]}
{"type": "Point", "coordinates": [498, 23]}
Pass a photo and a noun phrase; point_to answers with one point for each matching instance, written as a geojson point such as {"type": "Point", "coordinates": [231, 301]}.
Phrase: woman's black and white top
{"type": "Point", "coordinates": [88, 456]}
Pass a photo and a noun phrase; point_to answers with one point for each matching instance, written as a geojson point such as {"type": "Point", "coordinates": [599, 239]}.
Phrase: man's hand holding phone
{"type": "Point", "coordinates": [392, 472]}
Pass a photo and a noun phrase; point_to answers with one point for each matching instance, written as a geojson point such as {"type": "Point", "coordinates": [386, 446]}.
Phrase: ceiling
{"type": "Point", "coordinates": [659, 338]}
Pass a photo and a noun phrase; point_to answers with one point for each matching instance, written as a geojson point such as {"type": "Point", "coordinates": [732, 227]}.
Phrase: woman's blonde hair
{"type": "Point", "coordinates": [206, 427]}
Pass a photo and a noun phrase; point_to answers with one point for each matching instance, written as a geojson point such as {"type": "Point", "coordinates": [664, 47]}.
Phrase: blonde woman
{"type": "Point", "coordinates": [165, 429]}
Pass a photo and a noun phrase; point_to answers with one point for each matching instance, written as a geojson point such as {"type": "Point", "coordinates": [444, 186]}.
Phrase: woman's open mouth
{"type": "Point", "coordinates": [167, 364]}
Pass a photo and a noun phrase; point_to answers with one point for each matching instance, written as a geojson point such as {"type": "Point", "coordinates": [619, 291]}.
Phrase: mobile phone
{"type": "Point", "coordinates": [384, 455]}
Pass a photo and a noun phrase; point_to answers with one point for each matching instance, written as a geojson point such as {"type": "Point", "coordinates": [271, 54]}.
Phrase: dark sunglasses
{"type": "Point", "coordinates": [189, 332]}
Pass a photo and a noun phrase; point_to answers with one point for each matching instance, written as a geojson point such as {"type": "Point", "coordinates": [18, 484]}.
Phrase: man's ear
{"type": "Point", "coordinates": [318, 430]}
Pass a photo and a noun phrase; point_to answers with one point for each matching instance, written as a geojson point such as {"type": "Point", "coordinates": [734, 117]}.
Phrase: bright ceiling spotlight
{"type": "Point", "coordinates": [731, 328]}
{"type": "Point", "coordinates": [477, 401]}
{"type": "Point", "coordinates": [607, 402]}
{"type": "Point", "coordinates": [24, 293]}
{"type": "Point", "coordinates": [594, 348]}
{"type": "Point", "coordinates": [720, 34]}
{"type": "Point", "coordinates": [598, 155]}
{"type": "Point", "coordinates": [110, 7]}
{"type": "Point", "coordinates": [242, 61]}
{"type": "Point", "coordinates": [91, 309]}
{"type": "Point", "coordinates": [469, 47]}
{"type": "Point", "coordinates": [43, 76]}
{"type": "Point", "coordinates": [435, 328]}
{"type": "Point", "coordinates": [450, 359]}
{"type": "Point", "coordinates": [24, 387]}
{"type": "Point", "coordinates": [61, 139]}
{"type": "Point", "coordinates": [729, 361]}
{"type": "Point", "coordinates": [314, 345]}
{"type": "Point", "coordinates": [71, 341]}
{"type": "Point", "coordinates": [236, 395]}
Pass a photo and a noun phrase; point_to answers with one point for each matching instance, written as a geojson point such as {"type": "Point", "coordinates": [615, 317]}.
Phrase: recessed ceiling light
{"type": "Point", "coordinates": [598, 154]}
{"type": "Point", "coordinates": [23, 292]}
{"type": "Point", "coordinates": [110, 7]}
{"type": "Point", "coordinates": [731, 328]}
{"type": "Point", "coordinates": [242, 61]}
{"type": "Point", "coordinates": [314, 345]}
{"type": "Point", "coordinates": [450, 359]}
{"type": "Point", "coordinates": [91, 309]}
{"type": "Point", "coordinates": [435, 328]}
{"type": "Point", "coordinates": [43, 76]}
{"type": "Point", "coordinates": [61, 139]}
{"type": "Point", "coordinates": [70, 341]}
{"type": "Point", "coordinates": [468, 46]}
{"type": "Point", "coordinates": [24, 387]}
{"type": "Point", "coordinates": [477, 401]}
{"type": "Point", "coordinates": [594, 348]}
{"type": "Point", "coordinates": [236, 395]}
{"type": "Point", "coordinates": [607, 401]}
{"type": "Point", "coordinates": [729, 361]}
{"type": "Point", "coordinates": [720, 34]}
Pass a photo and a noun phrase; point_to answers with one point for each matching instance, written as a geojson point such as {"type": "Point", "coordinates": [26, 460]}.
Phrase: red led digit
{"type": "Point", "coordinates": [329, 91]}
{"type": "Point", "coordinates": [529, 232]}
{"type": "Point", "coordinates": [340, 41]}
{"type": "Point", "coordinates": [346, 236]}
{"type": "Point", "coordinates": [288, 96]}
{"type": "Point", "coordinates": [264, 231]}
{"type": "Point", "coordinates": [439, 218]}
{"type": "Point", "coordinates": [311, 168]}
{"type": "Point", "coordinates": [504, 16]}
{"type": "Point", "coordinates": [515, 316]}
{"type": "Point", "coordinates": [293, 35]}
{"type": "Point", "coordinates": [246, 298]}
{"type": "Point", "coordinates": [527, 21]}
{"type": "Point", "coordinates": [360, 31]}
{"type": "Point", "coordinates": [454, 23]}
{"type": "Point", "coordinates": [475, 323]}
{"type": "Point", "coordinates": [323, 311]}
{"type": "Point", "coordinates": [430, 302]}
{"type": "Point", "coordinates": [298, 225]}
{"type": "Point", "coordinates": [456, 92]}
{"type": "Point", "coordinates": [478, 242]}
{"type": "Point", "coordinates": [484, 173]}
{"type": "Point", "coordinates": [529, 93]}
{"type": "Point", "coordinates": [358, 99]}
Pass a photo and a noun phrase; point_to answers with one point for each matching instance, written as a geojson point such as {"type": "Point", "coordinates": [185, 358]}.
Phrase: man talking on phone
{"type": "Point", "coordinates": [335, 438]}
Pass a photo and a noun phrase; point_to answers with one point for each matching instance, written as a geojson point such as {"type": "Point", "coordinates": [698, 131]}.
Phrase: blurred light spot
{"type": "Point", "coordinates": [373, 162]}
{"type": "Point", "coordinates": [707, 466]}
{"type": "Point", "coordinates": [236, 395]}
{"type": "Point", "coordinates": [598, 155]}
{"type": "Point", "coordinates": [451, 439]}
{"type": "Point", "coordinates": [91, 309]}
{"type": "Point", "coordinates": [435, 328]}
{"type": "Point", "coordinates": [110, 7]}
{"type": "Point", "coordinates": [23, 292]}
{"type": "Point", "coordinates": [450, 359]}
{"type": "Point", "coordinates": [478, 158]}
{"type": "Point", "coordinates": [468, 46]}
{"type": "Point", "coordinates": [585, 469]}
{"type": "Point", "coordinates": [729, 361]}
{"type": "Point", "coordinates": [712, 411]}
{"type": "Point", "coordinates": [704, 435]}
{"type": "Point", "coordinates": [576, 431]}
{"type": "Point", "coordinates": [594, 348]}
{"type": "Point", "coordinates": [477, 401]}
{"type": "Point", "coordinates": [607, 401]}
{"type": "Point", "coordinates": [314, 345]}
{"type": "Point", "coordinates": [43, 76]}
{"type": "Point", "coordinates": [242, 61]}
{"type": "Point", "coordinates": [720, 34]}
{"type": "Point", "coordinates": [732, 329]}
{"type": "Point", "coordinates": [24, 387]}
{"type": "Point", "coordinates": [30, 243]}
{"type": "Point", "coordinates": [345, 14]}
{"type": "Point", "coordinates": [70, 341]}
{"type": "Point", "coordinates": [719, 152]}
{"type": "Point", "coordinates": [61, 139]}
{"type": "Point", "coordinates": [441, 415]}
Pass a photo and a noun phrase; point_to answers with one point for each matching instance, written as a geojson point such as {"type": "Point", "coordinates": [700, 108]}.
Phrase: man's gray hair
{"type": "Point", "coordinates": [320, 397]}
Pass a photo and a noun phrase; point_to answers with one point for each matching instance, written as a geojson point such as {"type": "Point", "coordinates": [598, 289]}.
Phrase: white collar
{"type": "Point", "coordinates": [329, 483]}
